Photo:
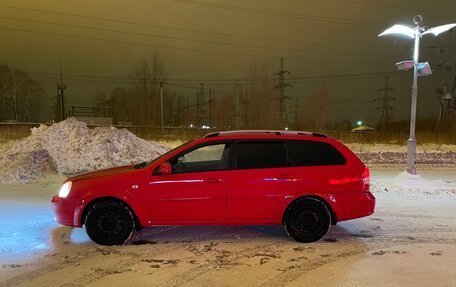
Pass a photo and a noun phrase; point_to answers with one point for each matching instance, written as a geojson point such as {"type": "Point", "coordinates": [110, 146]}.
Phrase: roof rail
{"type": "Point", "coordinates": [277, 132]}
{"type": "Point", "coordinates": [319, 135]}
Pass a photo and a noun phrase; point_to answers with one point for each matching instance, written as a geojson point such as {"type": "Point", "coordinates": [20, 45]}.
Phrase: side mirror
{"type": "Point", "coordinates": [165, 168]}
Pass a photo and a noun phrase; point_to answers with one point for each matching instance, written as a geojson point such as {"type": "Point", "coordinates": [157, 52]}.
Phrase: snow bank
{"type": "Point", "coordinates": [70, 147]}
{"type": "Point", "coordinates": [435, 155]}
{"type": "Point", "coordinates": [436, 158]}
{"type": "Point", "coordinates": [409, 183]}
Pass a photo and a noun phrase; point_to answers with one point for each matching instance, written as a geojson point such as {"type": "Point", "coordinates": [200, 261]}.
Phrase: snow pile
{"type": "Point", "coordinates": [409, 183]}
{"type": "Point", "coordinates": [70, 147]}
{"type": "Point", "coordinates": [437, 158]}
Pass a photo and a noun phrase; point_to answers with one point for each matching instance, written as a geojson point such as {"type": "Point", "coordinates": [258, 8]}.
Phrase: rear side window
{"type": "Point", "coordinates": [312, 153]}
{"type": "Point", "coordinates": [261, 155]}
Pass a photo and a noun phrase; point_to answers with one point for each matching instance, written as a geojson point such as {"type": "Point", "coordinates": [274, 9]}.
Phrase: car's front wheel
{"type": "Point", "coordinates": [109, 223]}
{"type": "Point", "coordinates": [307, 220]}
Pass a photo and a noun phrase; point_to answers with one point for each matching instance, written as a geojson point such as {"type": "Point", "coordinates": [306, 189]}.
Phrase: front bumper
{"type": "Point", "coordinates": [66, 210]}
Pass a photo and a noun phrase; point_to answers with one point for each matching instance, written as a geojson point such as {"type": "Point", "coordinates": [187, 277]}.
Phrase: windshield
{"type": "Point", "coordinates": [146, 163]}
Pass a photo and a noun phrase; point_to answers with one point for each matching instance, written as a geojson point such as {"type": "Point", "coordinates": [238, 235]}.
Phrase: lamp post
{"type": "Point", "coordinates": [419, 69]}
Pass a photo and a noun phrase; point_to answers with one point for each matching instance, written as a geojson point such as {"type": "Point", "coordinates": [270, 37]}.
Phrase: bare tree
{"type": "Point", "coordinates": [122, 106]}
{"type": "Point", "coordinates": [147, 75]}
{"type": "Point", "coordinates": [5, 92]}
{"type": "Point", "coordinates": [320, 108]}
{"type": "Point", "coordinates": [141, 91]}
{"type": "Point", "coordinates": [18, 93]}
{"type": "Point", "coordinates": [263, 107]}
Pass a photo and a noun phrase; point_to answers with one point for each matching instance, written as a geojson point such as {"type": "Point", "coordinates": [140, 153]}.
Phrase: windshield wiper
{"type": "Point", "coordinates": [141, 165]}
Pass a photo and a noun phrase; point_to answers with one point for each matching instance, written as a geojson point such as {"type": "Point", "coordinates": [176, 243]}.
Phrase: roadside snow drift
{"type": "Point", "coordinates": [400, 158]}
{"type": "Point", "coordinates": [70, 147]}
{"type": "Point", "coordinates": [409, 183]}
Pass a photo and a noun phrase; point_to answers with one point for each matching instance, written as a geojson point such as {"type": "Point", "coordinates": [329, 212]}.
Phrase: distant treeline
{"type": "Point", "coordinates": [20, 95]}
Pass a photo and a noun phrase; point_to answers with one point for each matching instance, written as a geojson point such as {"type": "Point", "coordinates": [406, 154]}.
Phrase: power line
{"type": "Point", "coordinates": [137, 43]}
{"type": "Point", "coordinates": [182, 86]}
{"type": "Point", "coordinates": [385, 107]}
{"type": "Point", "coordinates": [342, 100]}
{"type": "Point", "coordinates": [111, 20]}
{"type": "Point", "coordinates": [193, 40]}
{"type": "Point", "coordinates": [172, 81]}
{"type": "Point", "coordinates": [283, 115]}
{"type": "Point", "coordinates": [297, 110]}
{"type": "Point", "coordinates": [345, 21]}
{"type": "Point", "coordinates": [382, 5]}
{"type": "Point", "coordinates": [182, 48]}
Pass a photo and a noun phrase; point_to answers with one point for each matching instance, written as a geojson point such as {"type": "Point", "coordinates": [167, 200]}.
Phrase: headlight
{"type": "Point", "coordinates": [65, 189]}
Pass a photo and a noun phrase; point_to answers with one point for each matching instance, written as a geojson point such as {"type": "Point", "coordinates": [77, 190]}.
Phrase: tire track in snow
{"type": "Point", "coordinates": [223, 260]}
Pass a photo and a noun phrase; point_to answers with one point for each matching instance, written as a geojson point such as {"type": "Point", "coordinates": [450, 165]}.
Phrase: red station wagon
{"type": "Point", "coordinates": [304, 181]}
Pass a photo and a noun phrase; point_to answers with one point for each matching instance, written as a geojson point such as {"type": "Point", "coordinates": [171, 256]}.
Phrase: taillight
{"type": "Point", "coordinates": [366, 180]}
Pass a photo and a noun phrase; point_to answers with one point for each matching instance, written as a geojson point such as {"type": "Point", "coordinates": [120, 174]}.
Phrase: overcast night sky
{"type": "Point", "coordinates": [218, 40]}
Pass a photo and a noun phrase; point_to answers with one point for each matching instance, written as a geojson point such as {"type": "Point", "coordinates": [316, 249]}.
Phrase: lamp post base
{"type": "Point", "coordinates": [411, 156]}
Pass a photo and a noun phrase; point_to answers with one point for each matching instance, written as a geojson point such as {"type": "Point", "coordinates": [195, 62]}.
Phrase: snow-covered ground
{"type": "Point", "coordinates": [409, 241]}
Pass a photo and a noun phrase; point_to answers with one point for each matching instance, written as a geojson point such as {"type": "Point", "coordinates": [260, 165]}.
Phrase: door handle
{"type": "Point", "coordinates": [213, 180]}
{"type": "Point", "coordinates": [281, 178]}
{"type": "Point", "coordinates": [286, 177]}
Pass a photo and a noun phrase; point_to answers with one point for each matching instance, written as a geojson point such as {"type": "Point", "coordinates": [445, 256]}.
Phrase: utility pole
{"type": "Point", "coordinates": [237, 108]}
{"type": "Point", "coordinates": [199, 100]}
{"type": "Point", "coordinates": [447, 100]}
{"type": "Point", "coordinates": [210, 108]}
{"type": "Point", "coordinates": [385, 107]}
{"type": "Point", "coordinates": [187, 112]}
{"type": "Point", "coordinates": [60, 91]}
{"type": "Point", "coordinates": [297, 110]}
{"type": "Point", "coordinates": [239, 91]}
{"type": "Point", "coordinates": [161, 108]}
{"type": "Point", "coordinates": [283, 115]}
{"type": "Point", "coordinates": [97, 104]}
{"type": "Point", "coordinates": [246, 103]}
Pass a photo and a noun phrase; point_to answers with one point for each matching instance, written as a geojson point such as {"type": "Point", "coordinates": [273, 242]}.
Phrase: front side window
{"type": "Point", "coordinates": [206, 158]}
{"type": "Point", "coordinates": [261, 155]}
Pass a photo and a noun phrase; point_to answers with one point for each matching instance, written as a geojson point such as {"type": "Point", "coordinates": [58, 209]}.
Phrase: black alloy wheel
{"type": "Point", "coordinates": [307, 220]}
{"type": "Point", "coordinates": [109, 223]}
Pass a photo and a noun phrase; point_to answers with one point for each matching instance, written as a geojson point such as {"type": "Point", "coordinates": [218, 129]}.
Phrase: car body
{"type": "Point", "coordinates": [224, 178]}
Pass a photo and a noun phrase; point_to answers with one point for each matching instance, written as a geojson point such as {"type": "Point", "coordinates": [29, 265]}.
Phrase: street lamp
{"type": "Point", "coordinates": [419, 69]}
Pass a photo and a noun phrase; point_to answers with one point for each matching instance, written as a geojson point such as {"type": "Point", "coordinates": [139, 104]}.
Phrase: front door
{"type": "Point", "coordinates": [195, 191]}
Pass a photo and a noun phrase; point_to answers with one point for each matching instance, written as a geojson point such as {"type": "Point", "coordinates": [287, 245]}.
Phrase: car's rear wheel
{"type": "Point", "coordinates": [307, 220]}
{"type": "Point", "coordinates": [109, 223]}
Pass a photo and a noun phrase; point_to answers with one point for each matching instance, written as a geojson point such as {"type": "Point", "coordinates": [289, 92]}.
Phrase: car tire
{"type": "Point", "coordinates": [109, 223]}
{"type": "Point", "coordinates": [307, 220]}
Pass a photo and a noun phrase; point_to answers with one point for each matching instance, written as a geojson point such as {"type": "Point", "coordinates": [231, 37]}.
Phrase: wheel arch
{"type": "Point", "coordinates": [94, 201]}
{"type": "Point", "coordinates": [334, 219]}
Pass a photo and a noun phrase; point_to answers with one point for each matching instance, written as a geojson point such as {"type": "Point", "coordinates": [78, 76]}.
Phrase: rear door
{"type": "Point", "coordinates": [262, 179]}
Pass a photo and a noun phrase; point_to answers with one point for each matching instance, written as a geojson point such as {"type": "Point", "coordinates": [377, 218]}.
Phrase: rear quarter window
{"type": "Point", "coordinates": [314, 153]}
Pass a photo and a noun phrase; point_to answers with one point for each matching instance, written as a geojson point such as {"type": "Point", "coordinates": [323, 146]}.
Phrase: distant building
{"type": "Point", "coordinates": [363, 129]}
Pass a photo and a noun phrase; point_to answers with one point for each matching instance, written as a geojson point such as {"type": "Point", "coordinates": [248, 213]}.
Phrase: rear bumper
{"type": "Point", "coordinates": [351, 205]}
{"type": "Point", "coordinates": [66, 210]}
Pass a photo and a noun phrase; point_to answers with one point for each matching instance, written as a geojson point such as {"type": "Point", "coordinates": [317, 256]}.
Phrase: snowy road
{"type": "Point", "coordinates": [409, 241]}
